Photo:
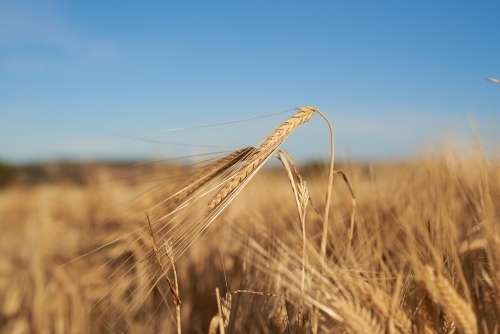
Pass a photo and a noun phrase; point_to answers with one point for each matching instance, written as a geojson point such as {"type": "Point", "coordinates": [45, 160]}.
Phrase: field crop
{"type": "Point", "coordinates": [409, 246]}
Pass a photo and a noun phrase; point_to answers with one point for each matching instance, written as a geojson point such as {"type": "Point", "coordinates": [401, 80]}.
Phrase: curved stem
{"type": "Point", "coordinates": [328, 194]}
{"type": "Point", "coordinates": [315, 318]}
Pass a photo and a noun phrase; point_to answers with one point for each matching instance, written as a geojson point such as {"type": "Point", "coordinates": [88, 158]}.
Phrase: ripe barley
{"type": "Point", "coordinates": [262, 153]}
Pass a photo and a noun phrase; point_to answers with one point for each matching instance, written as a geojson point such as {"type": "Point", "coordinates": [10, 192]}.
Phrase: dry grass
{"type": "Point", "coordinates": [421, 255]}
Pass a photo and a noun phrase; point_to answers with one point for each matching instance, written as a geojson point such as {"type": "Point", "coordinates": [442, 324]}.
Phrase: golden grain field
{"type": "Point", "coordinates": [420, 253]}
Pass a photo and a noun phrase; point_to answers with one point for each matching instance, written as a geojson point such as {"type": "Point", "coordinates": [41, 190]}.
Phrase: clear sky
{"type": "Point", "coordinates": [393, 76]}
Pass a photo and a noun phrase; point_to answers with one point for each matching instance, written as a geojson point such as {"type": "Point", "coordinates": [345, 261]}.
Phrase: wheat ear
{"type": "Point", "coordinates": [448, 326]}
{"type": "Point", "coordinates": [226, 308]}
{"type": "Point", "coordinates": [280, 320]}
{"type": "Point", "coordinates": [443, 293]}
{"type": "Point", "coordinates": [262, 153]}
{"type": "Point", "coordinates": [380, 302]}
{"type": "Point", "coordinates": [211, 171]}
{"type": "Point", "coordinates": [358, 319]}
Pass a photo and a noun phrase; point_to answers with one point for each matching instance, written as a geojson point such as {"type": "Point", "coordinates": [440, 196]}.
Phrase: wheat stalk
{"type": "Point", "coordinates": [214, 324]}
{"type": "Point", "coordinates": [219, 307]}
{"type": "Point", "coordinates": [324, 234]}
{"type": "Point", "coordinates": [171, 286]}
{"type": "Point", "coordinates": [301, 195]}
{"type": "Point", "coordinates": [251, 292]}
{"type": "Point", "coordinates": [170, 254]}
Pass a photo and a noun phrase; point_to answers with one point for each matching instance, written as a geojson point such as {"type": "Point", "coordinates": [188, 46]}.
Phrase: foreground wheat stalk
{"type": "Point", "coordinates": [301, 196]}
{"type": "Point", "coordinates": [255, 161]}
{"type": "Point", "coordinates": [240, 167]}
{"type": "Point", "coordinates": [324, 234]}
{"type": "Point", "coordinates": [185, 224]}
{"type": "Point", "coordinates": [170, 254]}
{"type": "Point", "coordinates": [171, 285]}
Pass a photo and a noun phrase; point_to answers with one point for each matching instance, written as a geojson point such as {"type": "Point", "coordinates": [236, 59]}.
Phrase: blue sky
{"type": "Point", "coordinates": [394, 77]}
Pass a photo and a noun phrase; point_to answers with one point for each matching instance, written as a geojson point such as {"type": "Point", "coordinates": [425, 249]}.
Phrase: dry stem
{"type": "Point", "coordinates": [177, 301]}
{"type": "Point", "coordinates": [170, 254]}
{"type": "Point", "coordinates": [315, 317]}
{"type": "Point", "coordinates": [301, 198]}
{"type": "Point", "coordinates": [221, 321]}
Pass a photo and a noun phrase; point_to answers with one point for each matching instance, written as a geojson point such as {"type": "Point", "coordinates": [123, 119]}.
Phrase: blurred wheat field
{"type": "Point", "coordinates": [423, 255]}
